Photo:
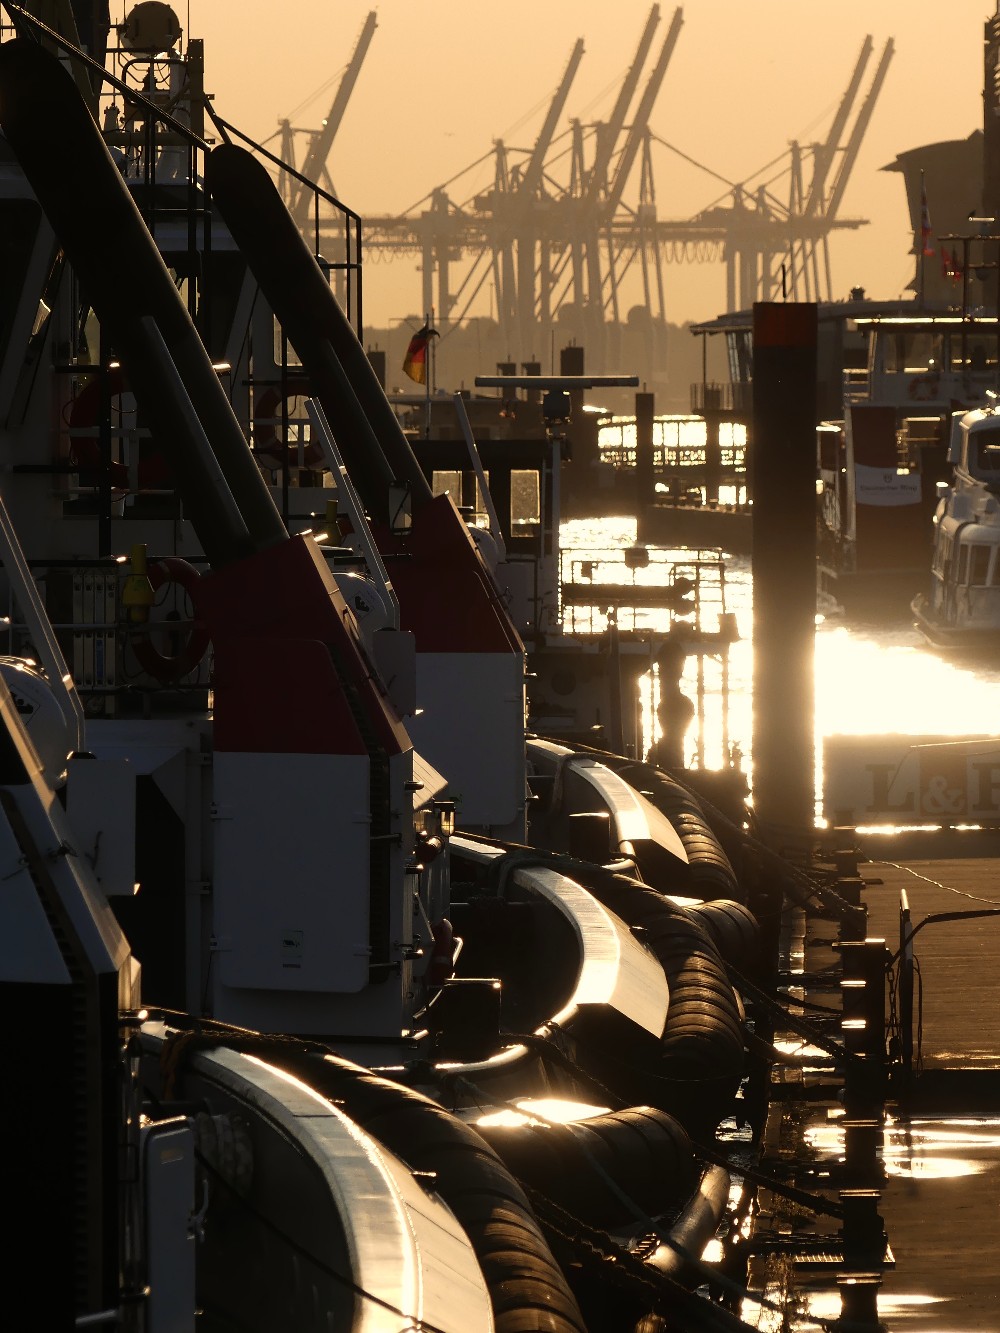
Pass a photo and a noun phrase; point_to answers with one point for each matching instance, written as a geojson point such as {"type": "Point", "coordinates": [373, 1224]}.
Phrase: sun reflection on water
{"type": "Point", "coordinates": [867, 680]}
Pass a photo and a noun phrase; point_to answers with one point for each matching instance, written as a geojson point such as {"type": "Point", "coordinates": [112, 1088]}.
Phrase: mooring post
{"type": "Point", "coordinates": [905, 985]}
{"type": "Point", "coordinates": [783, 466]}
{"type": "Point", "coordinates": [645, 478]}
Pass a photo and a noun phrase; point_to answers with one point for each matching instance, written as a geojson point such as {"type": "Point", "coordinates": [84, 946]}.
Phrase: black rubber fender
{"type": "Point", "coordinates": [527, 1287]}
{"type": "Point", "coordinates": [702, 1045]}
{"type": "Point", "coordinates": [645, 1151]}
{"type": "Point", "coordinates": [711, 873]}
{"type": "Point", "coordinates": [733, 928]}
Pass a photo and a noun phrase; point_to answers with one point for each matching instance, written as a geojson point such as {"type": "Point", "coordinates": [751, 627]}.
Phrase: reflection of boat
{"type": "Point", "coordinates": [252, 768]}
{"type": "Point", "coordinates": [961, 609]}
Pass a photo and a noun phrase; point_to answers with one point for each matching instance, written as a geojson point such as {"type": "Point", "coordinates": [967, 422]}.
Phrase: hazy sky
{"type": "Point", "coordinates": [444, 78]}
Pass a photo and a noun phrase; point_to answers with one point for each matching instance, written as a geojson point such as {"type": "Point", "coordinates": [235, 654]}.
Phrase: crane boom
{"type": "Point", "coordinates": [609, 133]}
{"type": "Point", "coordinates": [858, 133]}
{"type": "Point", "coordinates": [319, 149]}
{"type": "Point", "coordinates": [532, 177]}
{"type": "Point", "coordinates": [824, 157]}
{"type": "Point", "coordinates": [643, 112]}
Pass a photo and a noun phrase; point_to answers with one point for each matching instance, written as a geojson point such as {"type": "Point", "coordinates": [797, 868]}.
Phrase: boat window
{"type": "Point", "coordinates": [464, 489]}
{"type": "Point", "coordinates": [448, 483]}
{"type": "Point", "coordinates": [979, 565]}
{"type": "Point", "coordinates": [912, 353]}
{"type": "Point", "coordinates": [980, 352]}
{"type": "Point", "coordinates": [942, 554]}
{"type": "Point", "coordinates": [984, 454]}
{"type": "Point", "coordinates": [525, 501]}
{"type": "Point", "coordinates": [739, 350]}
{"type": "Point", "coordinates": [962, 575]}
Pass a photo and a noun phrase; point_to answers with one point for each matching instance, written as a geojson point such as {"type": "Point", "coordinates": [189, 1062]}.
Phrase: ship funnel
{"type": "Point", "coordinates": [81, 190]}
{"type": "Point", "coordinates": [364, 425]}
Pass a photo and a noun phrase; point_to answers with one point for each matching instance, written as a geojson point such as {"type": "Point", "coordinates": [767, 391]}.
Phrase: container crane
{"type": "Point", "coordinates": [298, 196]}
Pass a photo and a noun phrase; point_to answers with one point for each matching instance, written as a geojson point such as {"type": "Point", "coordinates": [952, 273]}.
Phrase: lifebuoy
{"type": "Point", "coordinates": [168, 668]}
{"type": "Point", "coordinates": [441, 964]}
{"type": "Point", "coordinates": [925, 387]}
{"type": "Point", "coordinates": [85, 450]}
{"type": "Point", "coordinates": [267, 412]}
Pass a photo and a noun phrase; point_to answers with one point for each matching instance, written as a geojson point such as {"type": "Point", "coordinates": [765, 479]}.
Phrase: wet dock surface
{"type": "Point", "coordinates": [938, 1169]}
{"type": "Point", "coordinates": [941, 1199]}
{"type": "Point", "coordinates": [959, 960]}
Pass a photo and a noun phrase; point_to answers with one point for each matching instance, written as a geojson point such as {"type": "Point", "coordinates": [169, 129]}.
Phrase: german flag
{"type": "Point", "coordinates": [415, 360]}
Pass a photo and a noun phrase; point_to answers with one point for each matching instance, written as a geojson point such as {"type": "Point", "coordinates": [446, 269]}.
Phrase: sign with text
{"type": "Point", "coordinates": [911, 779]}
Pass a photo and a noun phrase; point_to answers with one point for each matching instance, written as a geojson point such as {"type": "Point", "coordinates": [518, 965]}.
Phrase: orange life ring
{"type": "Point", "coordinates": [267, 411]}
{"type": "Point", "coordinates": [85, 451]}
{"type": "Point", "coordinates": [168, 668]}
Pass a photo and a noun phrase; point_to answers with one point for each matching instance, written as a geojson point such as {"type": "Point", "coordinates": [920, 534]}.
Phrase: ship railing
{"type": "Point", "coordinates": [680, 443]}
{"type": "Point", "coordinates": [734, 398]}
{"type": "Point", "coordinates": [163, 162]}
{"type": "Point", "coordinates": [640, 588]}
{"type": "Point", "coordinates": [856, 386]}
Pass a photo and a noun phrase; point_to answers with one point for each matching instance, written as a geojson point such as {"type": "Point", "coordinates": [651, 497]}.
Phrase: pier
{"type": "Point", "coordinates": [942, 1144]}
{"type": "Point", "coordinates": [913, 1182]}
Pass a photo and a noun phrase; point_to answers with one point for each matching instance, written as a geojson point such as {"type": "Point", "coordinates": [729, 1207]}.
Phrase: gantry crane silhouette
{"type": "Point", "coordinates": [566, 232]}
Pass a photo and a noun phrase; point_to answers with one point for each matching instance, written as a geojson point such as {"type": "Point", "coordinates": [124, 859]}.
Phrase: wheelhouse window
{"type": "Point", "coordinates": [979, 565]}
{"type": "Point", "coordinates": [915, 352]}
{"type": "Point", "coordinates": [942, 555]}
{"type": "Point", "coordinates": [525, 502]}
{"type": "Point", "coordinates": [980, 352]}
{"type": "Point", "coordinates": [739, 351]}
{"type": "Point", "coordinates": [962, 576]}
{"type": "Point", "coordinates": [466, 492]}
{"type": "Point", "coordinates": [984, 455]}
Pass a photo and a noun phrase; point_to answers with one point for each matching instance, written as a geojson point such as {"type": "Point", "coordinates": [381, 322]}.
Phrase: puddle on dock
{"type": "Point", "coordinates": [941, 1210]}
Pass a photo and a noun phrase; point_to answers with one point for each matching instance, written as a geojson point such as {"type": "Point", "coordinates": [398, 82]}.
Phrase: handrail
{"type": "Point", "coordinates": [226, 128]}
{"type": "Point", "coordinates": [125, 89]}
{"type": "Point", "coordinates": [36, 617]}
{"type": "Point", "coordinates": [352, 503]}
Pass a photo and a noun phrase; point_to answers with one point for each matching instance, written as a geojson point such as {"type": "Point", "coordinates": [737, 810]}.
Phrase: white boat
{"type": "Point", "coordinates": [263, 739]}
{"type": "Point", "coordinates": [881, 465]}
{"type": "Point", "coordinates": [961, 609]}
{"type": "Point", "coordinates": [890, 374]}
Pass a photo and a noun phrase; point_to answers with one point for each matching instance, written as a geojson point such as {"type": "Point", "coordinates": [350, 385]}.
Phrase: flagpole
{"type": "Point", "coordinates": [428, 363]}
{"type": "Point", "coordinates": [922, 247]}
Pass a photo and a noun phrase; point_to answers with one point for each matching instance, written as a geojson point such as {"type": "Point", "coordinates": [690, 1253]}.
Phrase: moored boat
{"type": "Point", "coordinates": [243, 749]}
{"type": "Point", "coordinates": [960, 611]}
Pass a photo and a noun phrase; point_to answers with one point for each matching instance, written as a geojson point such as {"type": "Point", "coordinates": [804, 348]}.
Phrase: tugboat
{"type": "Point", "coordinates": [210, 710]}
{"type": "Point", "coordinates": [880, 468]}
{"type": "Point", "coordinates": [961, 610]}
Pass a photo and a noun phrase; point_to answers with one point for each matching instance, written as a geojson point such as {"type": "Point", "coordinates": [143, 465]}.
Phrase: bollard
{"type": "Point", "coordinates": [850, 888]}
{"type": "Point", "coordinates": [863, 1026]}
{"type": "Point", "coordinates": [859, 1303]}
{"type": "Point", "coordinates": [863, 1232]}
{"type": "Point", "coordinates": [862, 1141]}
{"type": "Point", "coordinates": [863, 992]}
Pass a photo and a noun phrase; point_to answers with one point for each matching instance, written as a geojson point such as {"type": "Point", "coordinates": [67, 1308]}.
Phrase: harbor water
{"type": "Point", "coordinates": [870, 680]}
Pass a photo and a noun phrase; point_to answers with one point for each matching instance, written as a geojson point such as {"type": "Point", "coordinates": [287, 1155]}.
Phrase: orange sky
{"type": "Point", "coordinates": [444, 78]}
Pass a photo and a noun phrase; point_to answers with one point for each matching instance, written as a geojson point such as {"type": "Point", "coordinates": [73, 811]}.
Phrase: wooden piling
{"type": "Point", "coordinates": [783, 467]}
